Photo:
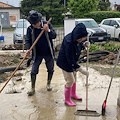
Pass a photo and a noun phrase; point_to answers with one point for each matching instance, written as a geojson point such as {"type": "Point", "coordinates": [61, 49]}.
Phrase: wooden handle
{"type": "Point", "coordinates": [87, 76]}
{"type": "Point", "coordinates": [25, 56]}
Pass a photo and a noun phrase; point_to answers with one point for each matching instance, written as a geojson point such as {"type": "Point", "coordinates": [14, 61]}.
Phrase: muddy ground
{"type": "Point", "coordinates": [44, 105]}
{"type": "Point", "coordinates": [13, 60]}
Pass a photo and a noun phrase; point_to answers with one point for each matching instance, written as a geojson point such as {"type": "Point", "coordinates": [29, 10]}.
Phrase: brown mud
{"type": "Point", "coordinates": [46, 105]}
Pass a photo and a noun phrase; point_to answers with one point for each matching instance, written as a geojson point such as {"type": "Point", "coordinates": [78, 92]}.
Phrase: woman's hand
{"type": "Point", "coordinates": [87, 44]}
{"type": "Point", "coordinates": [85, 72]}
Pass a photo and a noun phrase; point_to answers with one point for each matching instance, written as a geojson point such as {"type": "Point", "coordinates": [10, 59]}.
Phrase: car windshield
{"type": "Point", "coordinates": [119, 21]}
{"type": "Point", "coordinates": [88, 24]}
{"type": "Point", "coordinates": [20, 24]}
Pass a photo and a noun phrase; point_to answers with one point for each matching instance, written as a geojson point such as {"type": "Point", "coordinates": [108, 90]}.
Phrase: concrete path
{"type": "Point", "coordinates": [46, 105]}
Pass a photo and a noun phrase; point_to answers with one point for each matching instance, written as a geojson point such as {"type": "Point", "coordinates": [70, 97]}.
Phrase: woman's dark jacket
{"type": "Point", "coordinates": [70, 50]}
{"type": "Point", "coordinates": [42, 47]}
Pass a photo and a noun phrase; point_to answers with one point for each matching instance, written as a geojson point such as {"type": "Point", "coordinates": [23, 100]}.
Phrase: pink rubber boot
{"type": "Point", "coordinates": [68, 100]}
{"type": "Point", "coordinates": [73, 92]}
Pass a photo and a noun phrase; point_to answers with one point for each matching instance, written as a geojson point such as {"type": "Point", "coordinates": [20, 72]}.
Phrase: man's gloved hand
{"type": "Point", "coordinates": [85, 72]}
{"type": "Point", "coordinates": [87, 44]}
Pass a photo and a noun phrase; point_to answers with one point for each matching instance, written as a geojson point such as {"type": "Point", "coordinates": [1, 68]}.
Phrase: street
{"type": "Point", "coordinates": [8, 38]}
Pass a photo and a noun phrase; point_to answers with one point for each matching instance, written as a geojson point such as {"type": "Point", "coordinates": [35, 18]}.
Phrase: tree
{"type": "Point", "coordinates": [27, 5]}
{"type": "Point", "coordinates": [104, 5]}
{"type": "Point", "coordinates": [64, 2]}
{"type": "Point", "coordinates": [48, 8]}
{"type": "Point", "coordinates": [81, 7]}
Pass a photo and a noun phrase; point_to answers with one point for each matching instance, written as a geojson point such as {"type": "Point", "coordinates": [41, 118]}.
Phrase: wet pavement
{"type": "Point", "coordinates": [50, 105]}
{"type": "Point", "coordinates": [8, 38]}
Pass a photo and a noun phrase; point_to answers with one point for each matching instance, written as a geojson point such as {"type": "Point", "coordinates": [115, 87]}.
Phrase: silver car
{"type": "Point", "coordinates": [19, 31]}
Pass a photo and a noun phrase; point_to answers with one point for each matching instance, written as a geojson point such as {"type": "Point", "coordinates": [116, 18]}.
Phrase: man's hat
{"type": "Point", "coordinates": [34, 17]}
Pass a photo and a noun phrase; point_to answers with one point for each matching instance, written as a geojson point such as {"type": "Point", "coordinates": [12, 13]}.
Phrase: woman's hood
{"type": "Point", "coordinates": [79, 31]}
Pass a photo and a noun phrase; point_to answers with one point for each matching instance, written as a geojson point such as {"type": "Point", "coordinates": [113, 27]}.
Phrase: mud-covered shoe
{"type": "Point", "coordinates": [31, 92]}
{"type": "Point", "coordinates": [49, 88]}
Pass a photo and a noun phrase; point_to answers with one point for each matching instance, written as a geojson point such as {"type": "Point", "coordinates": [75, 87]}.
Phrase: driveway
{"type": "Point", "coordinates": [8, 38]}
{"type": "Point", "coordinates": [46, 105]}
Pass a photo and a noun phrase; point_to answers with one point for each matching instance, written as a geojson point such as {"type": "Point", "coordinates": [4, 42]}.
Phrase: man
{"type": "Point", "coordinates": [67, 59]}
{"type": "Point", "coordinates": [43, 48]}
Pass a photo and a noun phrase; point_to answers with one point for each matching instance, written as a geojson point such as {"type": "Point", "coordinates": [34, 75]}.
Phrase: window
{"type": "Point", "coordinates": [88, 24]}
{"type": "Point", "coordinates": [106, 22]}
{"type": "Point", "coordinates": [113, 22]}
{"type": "Point", "coordinates": [20, 24]}
{"type": "Point", "coordinates": [119, 21]}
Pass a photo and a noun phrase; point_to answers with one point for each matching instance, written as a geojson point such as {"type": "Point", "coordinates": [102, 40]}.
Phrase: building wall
{"type": "Point", "coordinates": [14, 15]}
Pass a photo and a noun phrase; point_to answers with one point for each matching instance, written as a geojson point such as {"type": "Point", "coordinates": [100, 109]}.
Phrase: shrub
{"type": "Point", "coordinates": [98, 16]}
{"type": "Point", "coordinates": [94, 48]}
{"type": "Point", "coordinates": [111, 46]}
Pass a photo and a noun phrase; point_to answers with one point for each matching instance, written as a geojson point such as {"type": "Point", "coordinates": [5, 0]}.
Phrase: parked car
{"type": "Point", "coordinates": [96, 33]}
{"type": "Point", "coordinates": [113, 25]}
{"type": "Point", "coordinates": [18, 33]}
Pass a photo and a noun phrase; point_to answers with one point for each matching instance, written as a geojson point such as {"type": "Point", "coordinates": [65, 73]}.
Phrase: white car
{"type": "Point", "coordinates": [113, 25]}
{"type": "Point", "coordinates": [18, 33]}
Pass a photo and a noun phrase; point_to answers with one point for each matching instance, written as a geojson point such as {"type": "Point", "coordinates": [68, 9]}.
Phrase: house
{"type": "Point", "coordinates": [117, 7]}
{"type": "Point", "coordinates": [9, 15]}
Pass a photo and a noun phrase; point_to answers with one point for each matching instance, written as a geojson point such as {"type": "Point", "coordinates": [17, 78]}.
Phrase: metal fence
{"type": "Point", "coordinates": [57, 42]}
{"type": "Point", "coordinates": [8, 35]}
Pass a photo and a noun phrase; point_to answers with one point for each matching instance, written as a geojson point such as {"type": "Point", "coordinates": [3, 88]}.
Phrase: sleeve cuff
{"type": "Point", "coordinates": [49, 30]}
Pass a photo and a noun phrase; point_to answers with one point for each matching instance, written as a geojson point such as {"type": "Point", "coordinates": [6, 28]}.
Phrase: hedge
{"type": "Point", "coordinates": [98, 16]}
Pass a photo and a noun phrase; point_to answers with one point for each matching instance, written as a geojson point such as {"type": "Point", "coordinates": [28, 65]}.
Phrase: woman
{"type": "Point", "coordinates": [68, 56]}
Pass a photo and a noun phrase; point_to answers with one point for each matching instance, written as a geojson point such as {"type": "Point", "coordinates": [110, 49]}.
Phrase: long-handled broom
{"type": "Point", "coordinates": [87, 112]}
{"type": "Point", "coordinates": [104, 103]}
{"type": "Point", "coordinates": [25, 56]}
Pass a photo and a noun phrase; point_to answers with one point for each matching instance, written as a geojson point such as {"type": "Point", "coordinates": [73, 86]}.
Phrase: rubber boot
{"type": "Point", "coordinates": [32, 90]}
{"type": "Point", "coordinates": [68, 100]}
{"type": "Point", "coordinates": [73, 93]}
{"type": "Point", "coordinates": [49, 88]}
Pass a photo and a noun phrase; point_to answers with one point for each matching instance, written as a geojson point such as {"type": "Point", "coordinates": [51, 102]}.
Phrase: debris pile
{"type": "Point", "coordinates": [100, 56]}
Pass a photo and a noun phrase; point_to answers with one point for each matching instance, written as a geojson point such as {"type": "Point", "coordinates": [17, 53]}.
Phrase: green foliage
{"type": "Point", "coordinates": [98, 16]}
{"type": "Point", "coordinates": [16, 60]}
{"type": "Point", "coordinates": [94, 48]}
{"type": "Point", "coordinates": [48, 8]}
{"type": "Point", "coordinates": [80, 7]}
{"type": "Point", "coordinates": [103, 5]}
{"type": "Point", "coordinates": [111, 46]}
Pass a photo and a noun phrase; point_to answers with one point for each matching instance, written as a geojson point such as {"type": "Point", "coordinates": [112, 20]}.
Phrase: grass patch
{"type": "Point", "coordinates": [108, 71]}
{"type": "Point", "coordinates": [16, 60]}
{"type": "Point", "coordinates": [3, 77]}
{"type": "Point", "coordinates": [8, 29]}
{"type": "Point", "coordinates": [57, 26]}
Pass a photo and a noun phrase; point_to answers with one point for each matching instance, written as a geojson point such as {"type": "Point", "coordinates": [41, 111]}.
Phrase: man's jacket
{"type": "Point", "coordinates": [42, 47]}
